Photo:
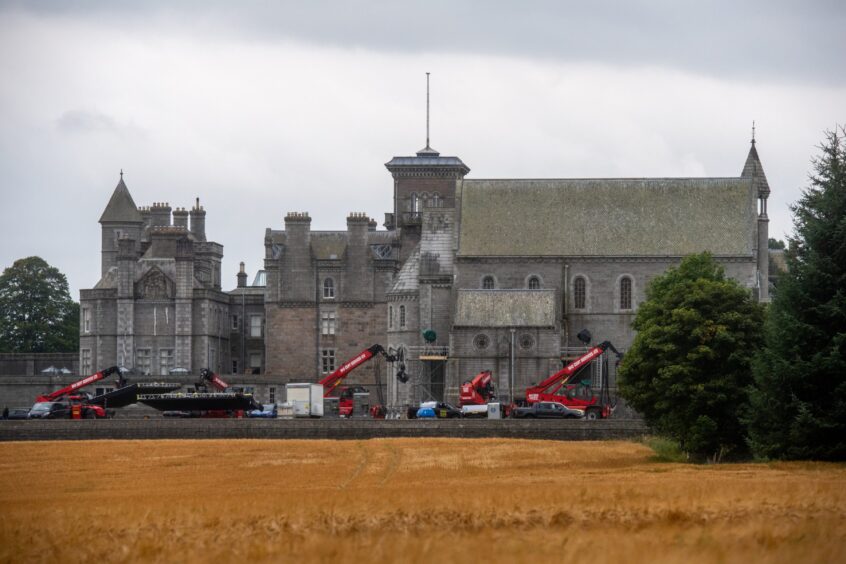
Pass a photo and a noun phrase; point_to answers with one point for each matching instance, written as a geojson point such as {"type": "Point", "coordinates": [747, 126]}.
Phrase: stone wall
{"type": "Point", "coordinates": [563, 430]}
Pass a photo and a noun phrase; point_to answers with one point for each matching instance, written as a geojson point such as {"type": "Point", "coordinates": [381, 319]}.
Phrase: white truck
{"type": "Point", "coordinates": [306, 399]}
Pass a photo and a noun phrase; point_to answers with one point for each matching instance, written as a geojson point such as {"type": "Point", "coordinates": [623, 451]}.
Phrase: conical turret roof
{"type": "Point", "coordinates": [753, 169]}
{"type": "Point", "coordinates": [121, 208]}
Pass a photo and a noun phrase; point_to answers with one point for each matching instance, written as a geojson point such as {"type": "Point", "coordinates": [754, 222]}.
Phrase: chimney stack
{"type": "Point", "coordinates": [242, 277]}
{"type": "Point", "coordinates": [198, 222]}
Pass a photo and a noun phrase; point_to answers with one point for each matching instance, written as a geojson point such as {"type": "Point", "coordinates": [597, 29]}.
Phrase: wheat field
{"type": "Point", "coordinates": [408, 500]}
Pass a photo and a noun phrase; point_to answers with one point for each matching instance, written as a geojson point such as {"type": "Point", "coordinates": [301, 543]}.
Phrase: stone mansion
{"type": "Point", "coordinates": [487, 268]}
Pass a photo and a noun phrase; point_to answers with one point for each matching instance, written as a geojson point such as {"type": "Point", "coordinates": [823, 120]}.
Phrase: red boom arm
{"type": "Point", "coordinates": [564, 375]}
{"type": "Point", "coordinates": [331, 381]}
{"type": "Point", "coordinates": [214, 379]}
{"type": "Point", "coordinates": [77, 385]}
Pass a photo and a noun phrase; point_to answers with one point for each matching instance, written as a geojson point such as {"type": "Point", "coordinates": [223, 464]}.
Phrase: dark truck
{"type": "Point", "coordinates": [548, 409]}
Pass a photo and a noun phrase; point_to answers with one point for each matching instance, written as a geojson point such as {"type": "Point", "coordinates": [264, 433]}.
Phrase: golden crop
{"type": "Point", "coordinates": [410, 500]}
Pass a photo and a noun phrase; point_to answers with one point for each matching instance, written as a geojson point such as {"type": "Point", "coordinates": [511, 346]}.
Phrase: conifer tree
{"type": "Point", "coordinates": [798, 401]}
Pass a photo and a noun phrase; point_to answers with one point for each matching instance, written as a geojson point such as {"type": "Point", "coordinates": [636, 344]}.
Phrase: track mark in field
{"type": "Point", "coordinates": [393, 463]}
{"type": "Point", "coordinates": [359, 468]}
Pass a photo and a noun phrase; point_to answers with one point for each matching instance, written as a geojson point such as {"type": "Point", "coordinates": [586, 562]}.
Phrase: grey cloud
{"type": "Point", "coordinates": [773, 40]}
{"type": "Point", "coordinates": [83, 121]}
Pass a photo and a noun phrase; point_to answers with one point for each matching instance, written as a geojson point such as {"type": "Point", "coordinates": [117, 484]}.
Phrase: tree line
{"type": "Point", "coordinates": [726, 377]}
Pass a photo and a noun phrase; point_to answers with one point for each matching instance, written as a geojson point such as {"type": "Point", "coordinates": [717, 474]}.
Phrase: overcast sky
{"type": "Point", "coordinates": [260, 108]}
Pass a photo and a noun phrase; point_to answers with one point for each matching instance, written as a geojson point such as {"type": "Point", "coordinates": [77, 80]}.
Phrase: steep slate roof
{"type": "Point", "coordinates": [121, 208]}
{"type": "Point", "coordinates": [602, 217]}
{"type": "Point", "coordinates": [409, 275]}
{"type": "Point", "coordinates": [753, 169]}
{"type": "Point", "coordinates": [505, 308]}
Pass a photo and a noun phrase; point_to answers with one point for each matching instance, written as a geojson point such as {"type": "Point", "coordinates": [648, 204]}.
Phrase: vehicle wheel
{"type": "Point", "coordinates": [593, 415]}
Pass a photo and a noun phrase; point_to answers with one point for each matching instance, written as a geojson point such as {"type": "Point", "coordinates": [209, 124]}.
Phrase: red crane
{"type": "Point", "coordinates": [478, 391]}
{"type": "Point", "coordinates": [333, 380]}
{"type": "Point", "coordinates": [215, 380]}
{"type": "Point", "coordinates": [574, 395]}
{"type": "Point", "coordinates": [79, 406]}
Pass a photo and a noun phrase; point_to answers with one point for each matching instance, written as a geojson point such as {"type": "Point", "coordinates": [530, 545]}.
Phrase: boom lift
{"type": "Point", "coordinates": [333, 380]}
{"type": "Point", "coordinates": [575, 395]}
{"type": "Point", "coordinates": [213, 379]}
{"type": "Point", "coordinates": [478, 391]}
{"type": "Point", "coordinates": [79, 406]}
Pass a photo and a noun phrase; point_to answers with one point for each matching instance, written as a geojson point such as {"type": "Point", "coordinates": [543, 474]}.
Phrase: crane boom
{"type": "Point", "coordinates": [332, 381]}
{"type": "Point", "coordinates": [53, 396]}
{"type": "Point", "coordinates": [215, 380]}
{"type": "Point", "coordinates": [563, 376]}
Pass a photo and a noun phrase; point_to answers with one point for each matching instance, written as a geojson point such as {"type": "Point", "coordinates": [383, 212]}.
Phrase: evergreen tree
{"type": "Point", "coordinates": [688, 369]}
{"type": "Point", "coordinates": [37, 313]}
{"type": "Point", "coordinates": [799, 397]}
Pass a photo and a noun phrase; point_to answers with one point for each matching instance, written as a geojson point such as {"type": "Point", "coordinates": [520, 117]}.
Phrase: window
{"type": "Point", "coordinates": [402, 316]}
{"type": "Point", "coordinates": [328, 289]}
{"type": "Point", "coordinates": [436, 200]}
{"type": "Point", "coordinates": [165, 361]}
{"type": "Point", "coordinates": [271, 394]}
{"type": "Point", "coordinates": [234, 367]}
{"type": "Point", "coordinates": [85, 362]}
{"type": "Point", "coordinates": [579, 291]}
{"type": "Point", "coordinates": [481, 341]}
{"type": "Point", "coordinates": [255, 326]}
{"type": "Point", "coordinates": [390, 317]}
{"type": "Point", "coordinates": [102, 391]}
{"type": "Point", "coordinates": [143, 362]}
{"type": "Point", "coordinates": [86, 320]}
{"type": "Point", "coordinates": [415, 203]}
{"type": "Point", "coordinates": [534, 283]}
{"type": "Point", "coordinates": [625, 293]}
{"type": "Point", "coordinates": [327, 357]}
{"type": "Point", "coordinates": [488, 283]}
{"type": "Point", "coordinates": [234, 322]}
{"type": "Point", "coordinates": [255, 363]}
{"type": "Point", "coordinates": [327, 323]}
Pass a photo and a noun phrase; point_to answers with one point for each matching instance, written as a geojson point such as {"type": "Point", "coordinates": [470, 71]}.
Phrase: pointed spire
{"type": "Point", "coordinates": [753, 169]}
{"type": "Point", "coordinates": [427, 151]}
{"type": "Point", "coordinates": [121, 207]}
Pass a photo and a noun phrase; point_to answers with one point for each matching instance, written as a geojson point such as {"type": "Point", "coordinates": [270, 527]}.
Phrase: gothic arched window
{"type": "Point", "coordinates": [328, 289]}
{"type": "Point", "coordinates": [402, 316]}
{"type": "Point", "coordinates": [534, 283]}
{"type": "Point", "coordinates": [579, 292]}
{"type": "Point", "coordinates": [488, 283]}
{"type": "Point", "coordinates": [625, 293]}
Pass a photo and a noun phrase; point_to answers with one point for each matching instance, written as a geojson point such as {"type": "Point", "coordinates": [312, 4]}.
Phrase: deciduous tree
{"type": "Point", "coordinates": [688, 369]}
{"type": "Point", "coordinates": [37, 313]}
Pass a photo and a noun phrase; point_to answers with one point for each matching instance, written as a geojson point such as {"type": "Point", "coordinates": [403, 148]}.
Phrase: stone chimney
{"type": "Point", "coordinates": [180, 218]}
{"type": "Point", "coordinates": [198, 222]}
{"type": "Point", "coordinates": [160, 214]}
{"type": "Point", "coordinates": [242, 277]}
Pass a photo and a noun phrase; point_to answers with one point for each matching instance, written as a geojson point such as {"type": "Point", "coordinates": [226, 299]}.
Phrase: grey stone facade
{"type": "Point", "coordinates": [158, 305]}
{"type": "Point", "coordinates": [489, 268]}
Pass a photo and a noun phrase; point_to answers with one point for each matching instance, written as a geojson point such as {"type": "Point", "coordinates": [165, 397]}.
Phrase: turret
{"type": "Point", "coordinates": [120, 219]}
{"type": "Point", "coordinates": [753, 170]}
